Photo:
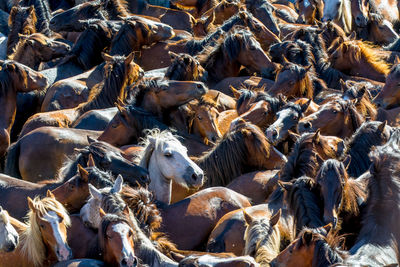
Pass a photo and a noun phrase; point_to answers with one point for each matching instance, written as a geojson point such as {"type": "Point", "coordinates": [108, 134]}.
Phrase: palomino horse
{"type": "Point", "coordinates": [120, 72]}
{"type": "Point", "coordinates": [167, 160]}
{"type": "Point", "coordinates": [9, 237]}
{"type": "Point", "coordinates": [36, 48]}
{"type": "Point", "coordinates": [14, 78]}
{"type": "Point", "coordinates": [340, 13]}
{"type": "Point", "coordinates": [312, 248]}
{"type": "Point", "coordinates": [43, 241]}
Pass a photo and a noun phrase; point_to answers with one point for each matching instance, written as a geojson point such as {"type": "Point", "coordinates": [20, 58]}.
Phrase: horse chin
{"type": "Point", "coordinates": [64, 253]}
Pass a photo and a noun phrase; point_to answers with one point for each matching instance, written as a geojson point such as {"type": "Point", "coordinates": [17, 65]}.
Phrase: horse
{"type": "Point", "coordinates": [361, 143]}
{"type": "Point", "coordinates": [388, 98]}
{"type": "Point", "coordinates": [120, 72]}
{"type": "Point", "coordinates": [166, 159]}
{"type": "Point", "coordinates": [36, 48]}
{"type": "Point", "coordinates": [340, 13]}
{"type": "Point", "coordinates": [184, 67]}
{"type": "Point", "coordinates": [43, 241]}
{"type": "Point", "coordinates": [22, 20]}
{"type": "Point", "coordinates": [375, 243]}
{"type": "Point", "coordinates": [15, 78]}
{"type": "Point", "coordinates": [310, 11]}
{"type": "Point", "coordinates": [264, 12]}
{"type": "Point", "coordinates": [248, 150]}
{"type": "Point", "coordinates": [239, 48]}
{"type": "Point", "coordinates": [9, 238]}
{"type": "Point", "coordinates": [360, 13]}
{"type": "Point", "coordinates": [330, 116]}
{"type": "Point", "coordinates": [313, 247]}
{"type": "Point", "coordinates": [209, 260]}
{"type": "Point", "coordinates": [381, 31]}
{"type": "Point", "coordinates": [342, 198]}
{"type": "Point", "coordinates": [358, 59]}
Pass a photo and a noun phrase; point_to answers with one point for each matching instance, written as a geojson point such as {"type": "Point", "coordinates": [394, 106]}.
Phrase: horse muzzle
{"type": "Point", "coordinates": [64, 253]}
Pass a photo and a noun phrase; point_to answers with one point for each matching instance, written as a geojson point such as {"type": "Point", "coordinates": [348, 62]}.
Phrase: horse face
{"type": "Point", "coordinates": [47, 49]}
{"type": "Point", "coordinates": [331, 8]}
{"type": "Point", "coordinates": [54, 234]}
{"type": "Point", "coordinates": [205, 123]}
{"type": "Point", "coordinates": [9, 237]}
{"type": "Point", "coordinates": [389, 96]}
{"type": "Point", "coordinates": [287, 119]}
{"type": "Point", "coordinates": [253, 56]}
{"type": "Point", "coordinates": [119, 245]}
{"type": "Point", "coordinates": [176, 93]}
{"type": "Point", "coordinates": [26, 79]}
{"type": "Point", "coordinates": [359, 10]}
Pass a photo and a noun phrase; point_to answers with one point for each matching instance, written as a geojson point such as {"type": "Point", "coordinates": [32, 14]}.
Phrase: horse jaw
{"type": "Point", "coordinates": [159, 184]}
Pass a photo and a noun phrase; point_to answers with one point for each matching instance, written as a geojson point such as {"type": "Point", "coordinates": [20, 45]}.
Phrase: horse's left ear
{"type": "Point", "coordinates": [30, 204]}
{"type": "Point", "coordinates": [317, 136]}
{"type": "Point", "coordinates": [353, 36]}
{"type": "Point", "coordinates": [129, 58]}
{"type": "Point", "coordinates": [83, 174]}
{"type": "Point", "coordinates": [275, 218]}
{"type": "Point", "coordinates": [235, 92]}
{"type": "Point", "coordinates": [247, 217]}
{"type": "Point", "coordinates": [346, 162]}
{"type": "Point", "coordinates": [91, 162]}
{"type": "Point", "coordinates": [216, 98]}
{"type": "Point", "coordinates": [307, 238]}
{"type": "Point", "coordinates": [117, 184]}
{"type": "Point", "coordinates": [102, 213]}
{"type": "Point", "coordinates": [343, 85]}
{"type": "Point", "coordinates": [396, 60]}
{"type": "Point", "coordinates": [50, 194]}
{"type": "Point", "coordinates": [106, 56]}
{"type": "Point", "coordinates": [382, 126]}
{"type": "Point", "coordinates": [305, 106]}
{"type": "Point", "coordinates": [293, 136]}
{"type": "Point", "coordinates": [361, 92]}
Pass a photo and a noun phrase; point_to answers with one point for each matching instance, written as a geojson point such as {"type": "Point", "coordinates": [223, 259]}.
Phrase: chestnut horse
{"type": "Point", "coordinates": [15, 78]}
{"type": "Point", "coordinates": [44, 240]}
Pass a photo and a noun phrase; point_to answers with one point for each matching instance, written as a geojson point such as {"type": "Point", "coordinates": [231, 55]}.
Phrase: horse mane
{"type": "Point", "coordinates": [305, 79]}
{"type": "Point", "coordinates": [359, 49]}
{"type": "Point", "coordinates": [229, 158]}
{"type": "Point", "coordinates": [361, 143]}
{"type": "Point", "coordinates": [302, 160]}
{"type": "Point", "coordinates": [140, 90]}
{"type": "Point", "coordinates": [304, 202]}
{"type": "Point", "coordinates": [262, 240]}
{"type": "Point", "coordinates": [43, 14]}
{"type": "Point", "coordinates": [32, 245]}
{"type": "Point", "coordinates": [275, 103]}
{"type": "Point", "coordinates": [115, 8]}
{"type": "Point", "coordinates": [355, 117]}
{"type": "Point", "coordinates": [184, 68]}
{"type": "Point", "coordinates": [126, 40]}
{"type": "Point", "coordinates": [364, 105]}
{"type": "Point", "coordinates": [141, 203]}
{"type": "Point", "coordinates": [112, 88]}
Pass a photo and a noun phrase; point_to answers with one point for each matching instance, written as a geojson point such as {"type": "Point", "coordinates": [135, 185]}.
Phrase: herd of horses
{"type": "Point", "coordinates": [208, 133]}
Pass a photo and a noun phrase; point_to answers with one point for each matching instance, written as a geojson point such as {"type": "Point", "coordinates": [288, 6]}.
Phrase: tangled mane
{"type": "Point", "coordinates": [230, 157]}
{"type": "Point", "coordinates": [186, 68]}
{"type": "Point", "coordinates": [262, 240]}
{"type": "Point", "coordinates": [355, 117]}
{"type": "Point", "coordinates": [360, 145]}
{"type": "Point", "coordinates": [274, 102]}
{"type": "Point", "coordinates": [31, 242]}
{"type": "Point", "coordinates": [358, 50]}
{"type": "Point", "coordinates": [43, 13]}
{"type": "Point", "coordinates": [296, 51]}
{"type": "Point", "coordinates": [115, 8]}
{"type": "Point", "coordinates": [364, 104]}
{"type": "Point", "coordinates": [304, 203]}
{"type": "Point", "coordinates": [138, 93]}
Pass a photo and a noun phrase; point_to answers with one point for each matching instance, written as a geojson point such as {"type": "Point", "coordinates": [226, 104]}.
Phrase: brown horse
{"type": "Point", "coordinates": [381, 31]}
{"type": "Point", "coordinates": [44, 240]}
{"type": "Point", "coordinates": [184, 67]}
{"type": "Point", "coordinates": [120, 71]}
{"type": "Point", "coordinates": [197, 8]}
{"type": "Point", "coordinates": [389, 96]}
{"type": "Point", "coordinates": [313, 247]}
{"type": "Point", "coordinates": [22, 20]}
{"type": "Point", "coordinates": [36, 48]}
{"type": "Point", "coordinates": [310, 11]}
{"type": "Point", "coordinates": [338, 118]}
{"type": "Point", "coordinates": [358, 59]}
{"type": "Point", "coordinates": [15, 78]}
{"type": "Point", "coordinates": [248, 150]}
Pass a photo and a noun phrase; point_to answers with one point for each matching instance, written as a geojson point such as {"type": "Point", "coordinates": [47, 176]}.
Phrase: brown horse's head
{"type": "Point", "coordinates": [389, 96]}
{"type": "Point", "coordinates": [338, 118]}
{"type": "Point", "coordinates": [116, 238]}
{"type": "Point", "coordinates": [293, 81]}
{"type": "Point", "coordinates": [259, 113]}
{"type": "Point", "coordinates": [381, 30]}
{"type": "Point", "coordinates": [184, 67]}
{"type": "Point", "coordinates": [360, 11]}
{"type": "Point", "coordinates": [310, 11]}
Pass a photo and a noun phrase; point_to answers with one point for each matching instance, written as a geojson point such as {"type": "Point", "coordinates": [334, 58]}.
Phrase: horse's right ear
{"type": "Point", "coordinates": [327, 227]}
{"type": "Point", "coordinates": [106, 56]}
{"type": "Point", "coordinates": [353, 36]}
{"type": "Point", "coordinates": [317, 136]}
{"type": "Point", "coordinates": [117, 184]}
{"type": "Point", "coordinates": [382, 126]}
{"type": "Point", "coordinates": [235, 92]}
{"type": "Point", "coordinates": [30, 204]}
{"type": "Point", "coordinates": [275, 218]}
{"type": "Point", "coordinates": [293, 136]}
{"type": "Point", "coordinates": [50, 194]}
{"type": "Point", "coordinates": [94, 192]}
{"type": "Point", "coordinates": [91, 140]}
{"type": "Point", "coordinates": [285, 185]}
{"type": "Point", "coordinates": [282, 99]}
{"type": "Point", "coordinates": [247, 217]}
{"type": "Point", "coordinates": [129, 58]}
{"type": "Point", "coordinates": [84, 174]}
{"type": "Point", "coordinates": [91, 162]}
{"type": "Point", "coordinates": [396, 60]}
{"type": "Point", "coordinates": [101, 213]}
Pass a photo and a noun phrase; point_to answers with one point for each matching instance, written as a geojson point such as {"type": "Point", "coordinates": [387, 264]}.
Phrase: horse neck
{"type": "Point", "coordinates": [25, 55]}
{"type": "Point", "coordinates": [160, 185]}
{"type": "Point", "coordinates": [366, 68]}
{"type": "Point", "coordinates": [345, 17]}
{"type": "Point", "coordinates": [221, 68]}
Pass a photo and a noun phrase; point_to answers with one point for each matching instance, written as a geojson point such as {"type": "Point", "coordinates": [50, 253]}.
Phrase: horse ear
{"type": "Point", "coordinates": [247, 217]}
{"type": "Point", "coordinates": [101, 213]}
{"type": "Point", "coordinates": [287, 186]}
{"type": "Point", "coordinates": [346, 162]}
{"type": "Point", "coordinates": [94, 192]}
{"type": "Point", "coordinates": [31, 9]}
{"type": "Point", "coordinates": [243, 15]}
{"type": "Point", "coordinates": [293, 136]}
{"type": "Point", "coordinates": [106, 56]}
{"type": "Point", "coordinates": [396, 60]}
{"type": "Point", "coordinates": [91, 162]}
{"type": "Point", "coordinates": [84, 174]}
{"type": "Point", "coordinates": [31, 205]}
{"type": "Point", "coordinates": [353, 36]}
{"type": "Point", "coordinates": [216, 98]}
{"type": "Point", "coordinates": [354, 101]}
{"type": "Point", "coordinates": [282, 99]}
{"type": "Point", "coordinates": [343, 85]}
{"type": "Point", "coordinates": [361, 92]}
{"type": "Point", "coordinates": [129, 58]}
{"type": "Point", "coordinates": [285, 61]}
{"type": "Point", "coordinates": [307, 238]}
{"type": "Point", "coordinates": [122, 109]}
{"type": "Point", "coordinates": [317, 136]}
{"type": "Point", "coordinates": [327, 227]}
{"type": "Point", "coordinates": [275, 218]}
{"type": "Point", "coordinates": [91, 140]}
{"type": "Point", "coordinates": [382, 126]}
{"type": "Point", "coordinates": [305, 106]}
{"type": "Point", "coordinates": [117, 184]}
{"type": "Point", "coordinates": [210, 19]}
{"type": "Point", "coordinates": [173, 55]}
{"type": "Point", "coordinates": [235, 92]}
{"type": "Point", "coordinates": [50, 194]}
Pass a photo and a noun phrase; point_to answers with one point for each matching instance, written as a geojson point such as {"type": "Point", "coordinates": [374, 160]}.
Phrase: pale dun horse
{"type": "Point", "coordinates": [43, 242]}
{"type": "Point", "coordinates": [9, 237]}
{"type": "Point", "coordinates": [339, 11]}
{"type": "Point", "coordinates": [262, 238]}
{"type": "Point", "coordinates": [166, 159]}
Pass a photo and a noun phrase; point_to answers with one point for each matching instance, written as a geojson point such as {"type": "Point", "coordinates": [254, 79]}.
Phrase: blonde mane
{"type": "Point", "coordinates": [31, 244]}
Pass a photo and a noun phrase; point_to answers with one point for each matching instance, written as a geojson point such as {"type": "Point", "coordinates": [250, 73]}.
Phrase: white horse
{"type": "Point", "coordinates": [3, 46]}
{"type": "Point", "coordinates": [339, 11]}
{"type": "Point", "coordinates": [9, 237]}
{"type": "Point", "coordinates": [166, 159]}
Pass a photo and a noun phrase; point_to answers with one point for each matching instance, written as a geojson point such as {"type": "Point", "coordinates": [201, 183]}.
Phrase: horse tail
{"type": "Point", "coordinates": [12, 161]}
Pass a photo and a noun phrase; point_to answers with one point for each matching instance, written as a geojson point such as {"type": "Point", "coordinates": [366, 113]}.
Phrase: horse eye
{"type": "Point", "coordinates": [42, 226]}
{"type": "Point", "coordinates": [291, 83]}
{"type": "Point", "coordinates": [109, 237]}
{"type": "Point", "coordinates": [168, 154]}
{"type": "Point", "coordinates": [130, 234]}
{"type": "Point", "coordinates": [71, 186]}
{"type": "Point", "coordinates": [334, 111]}
{"type": "Point", "coordinates": [114, 125]}
{"type": "Point", "coordinates": [199, 117]}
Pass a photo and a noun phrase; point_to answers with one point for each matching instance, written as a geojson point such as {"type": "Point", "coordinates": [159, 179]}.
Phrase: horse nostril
{"type": "Point", "coordinates": [274, 133]}
{"type": "Point", "coordinates": [124, 262]}
{"type": "Point", "coordinates": [194, 177]}
{"type": "Point", "coordinates": [358, 19]}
